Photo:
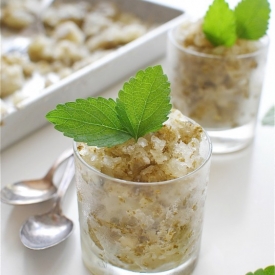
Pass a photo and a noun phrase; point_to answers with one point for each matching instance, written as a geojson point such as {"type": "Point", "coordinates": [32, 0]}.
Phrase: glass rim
{"type": "Point", "coordinates": [140, 183]}
{"type": "Point", "coordinates": [171, 37]}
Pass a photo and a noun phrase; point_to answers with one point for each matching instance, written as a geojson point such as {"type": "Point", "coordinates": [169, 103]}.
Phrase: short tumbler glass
{"type": "Point", "coordinates": [130, 228]}
{"type": "Point", "coordinates": [220, 92]}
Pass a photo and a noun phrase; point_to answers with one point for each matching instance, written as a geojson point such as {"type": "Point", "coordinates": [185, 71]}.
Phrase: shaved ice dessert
{"type": "Point", "coordinates": [141, 171]}
{"type": "Point", "coordinates": [141, 203]}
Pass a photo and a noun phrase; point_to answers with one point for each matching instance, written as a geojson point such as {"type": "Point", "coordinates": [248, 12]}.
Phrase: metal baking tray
{"type": "Point", "coordinates": [98, 76]}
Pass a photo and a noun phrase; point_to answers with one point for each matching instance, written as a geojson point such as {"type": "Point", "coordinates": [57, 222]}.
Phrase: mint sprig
{"type": "Point", "coordinates": [219, 24]}
{"type": "Point", "coordinates": [270, 270]}
{"type": "Point", "coordinates": [143, 103]}
{"type": "Point", "coordinates": [252, 18]}
{"type": "Point", "coordinates": [142, 106]}
{"type": "Point", "coordinates": [249, 20]}
{"type": "Point", "coordinates": [92, 120]}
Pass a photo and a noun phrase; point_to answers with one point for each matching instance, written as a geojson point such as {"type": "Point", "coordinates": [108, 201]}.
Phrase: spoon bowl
{"type": "Point", "coordinates": [40, 232]}
{"type": "Point", "coordinates": [33, 191]}
{"type": "Point", "coordinates": [28, 192]}
{"type": "Point", "coordinates": [49, 229]}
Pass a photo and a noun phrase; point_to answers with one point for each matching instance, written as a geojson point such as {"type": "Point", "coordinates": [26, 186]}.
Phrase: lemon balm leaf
{"type": "Point", "coordinates": [92, 120]}
{"type": "Point", "coordinates": [270, 270]}
{"type": "Point", "coordinates": [267, 271]}
{"type": "Point", "coordinates": [257, 272]}
{"type": "Point", "coordinates": [219, 24]}
{"type": "Point", "coordinates": [249, 20]}
{"type": "Point", "coordinates": [252, 18]}
{"type": "Point", "coordinates": [143, 104]}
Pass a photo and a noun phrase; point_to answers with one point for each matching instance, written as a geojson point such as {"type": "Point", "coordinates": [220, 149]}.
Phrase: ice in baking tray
{"type": "Point", "coordinates": [90, 45]}
{"type": "Point", "coordinates": [73, 36]}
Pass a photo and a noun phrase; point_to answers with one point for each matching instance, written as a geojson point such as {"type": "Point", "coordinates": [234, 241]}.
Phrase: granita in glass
{"type": "Point", "coordinates": [217, 70]}
{"type": "Point", "coordinates": [141, 201]}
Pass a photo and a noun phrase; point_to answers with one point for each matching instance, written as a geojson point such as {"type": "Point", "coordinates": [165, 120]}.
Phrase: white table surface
{"type": "Point", "coordinates": [238, 234]}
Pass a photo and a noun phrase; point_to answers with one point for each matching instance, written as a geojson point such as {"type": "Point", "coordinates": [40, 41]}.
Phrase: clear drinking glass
{"type": "Point", "coordinates": [220, 92]}
{"type": "Point", "coordinates": [130, 228]}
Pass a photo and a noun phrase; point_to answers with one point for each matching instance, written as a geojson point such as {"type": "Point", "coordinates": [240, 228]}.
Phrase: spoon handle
{"type": "Point", "coordinates": [64, 184]}
{"type": "Point", "coordinates": [66, 154]}
{"type": "Point", "coordinates": [67, 177]}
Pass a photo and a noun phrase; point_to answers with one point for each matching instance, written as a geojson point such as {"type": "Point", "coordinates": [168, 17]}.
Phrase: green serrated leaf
{"type": "Point", "coordinates": [252, 18]}
{"type": "Point", "coordinates": [269, 118]}
{"type": "Point", "coordinates": [259, 272]}
{"type": "Point", "coordinates": [143, 104]}
{"type": "Point", "coordinates": [219, 24]}
{"type": "Point", "coordinates": [92, 120]}
{"type": "Point", "coordinates": [270, 270]}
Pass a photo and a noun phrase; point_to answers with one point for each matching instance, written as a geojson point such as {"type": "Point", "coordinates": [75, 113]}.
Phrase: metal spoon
{"type": "Point", "coordinates": [43, 231]}
{"type": "Point", "coordinates": [33, 191]}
